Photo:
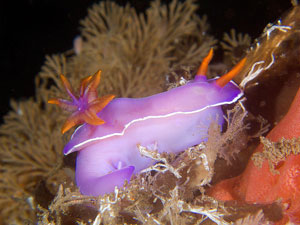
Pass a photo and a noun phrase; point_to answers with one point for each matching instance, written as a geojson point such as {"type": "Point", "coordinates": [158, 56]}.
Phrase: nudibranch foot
{"type": "Point", "coordinates": [104, 184]}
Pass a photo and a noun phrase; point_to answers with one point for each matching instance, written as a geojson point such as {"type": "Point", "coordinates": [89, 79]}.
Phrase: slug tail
{"type": "Point", "coordinates": [222, 81]}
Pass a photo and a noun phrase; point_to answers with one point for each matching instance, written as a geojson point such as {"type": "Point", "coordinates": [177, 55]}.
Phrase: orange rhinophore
{"type": "Point", "coordinates": [203, 68]}
{"type": "Point", "coordinates": [222, 81]}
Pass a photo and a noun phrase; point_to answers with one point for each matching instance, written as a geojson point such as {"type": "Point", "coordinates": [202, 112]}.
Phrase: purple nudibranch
{"type": "Point", "coordinates": [173, 121]}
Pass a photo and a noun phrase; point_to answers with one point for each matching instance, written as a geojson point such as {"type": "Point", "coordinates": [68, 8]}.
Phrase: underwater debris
{"type": "Point", "coordinates": [64, 208]}
{"type": "Point", "coordinates": [230, 145]}
{"type": "Point", "coordinates": [178, 77]}
{"type": "Point", "coordinates": [161, 167]}
{"type": "Point", "coordinates": [257, 219]}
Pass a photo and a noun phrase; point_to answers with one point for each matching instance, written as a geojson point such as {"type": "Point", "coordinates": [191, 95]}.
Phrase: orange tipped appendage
{"type": "Point", "coordinates": [84, 83]}
{"type": "Point", "coordinates": [222, 81]}
{"type": "Point", "coordinates": [203, 68]}
{"type": "Point", "coordinates": [84, 107]}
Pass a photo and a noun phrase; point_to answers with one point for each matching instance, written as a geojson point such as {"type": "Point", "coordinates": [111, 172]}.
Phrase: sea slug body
{"type": "Point", "coordinates": [173, 120]}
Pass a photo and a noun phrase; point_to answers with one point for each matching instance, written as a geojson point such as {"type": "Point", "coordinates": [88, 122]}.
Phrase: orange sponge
{"type": "Point", "coordinates": [260, 184]}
